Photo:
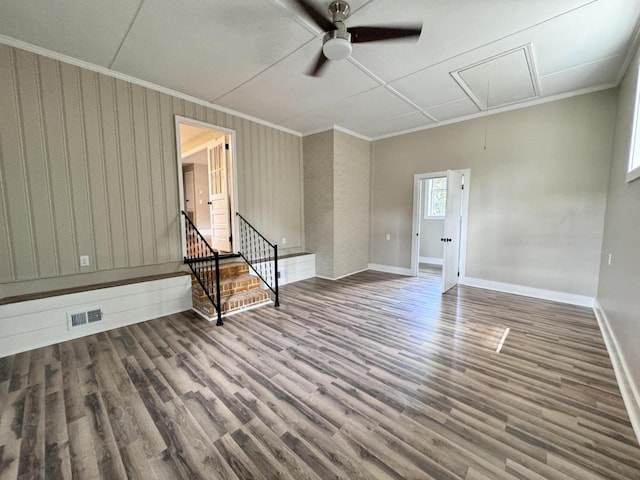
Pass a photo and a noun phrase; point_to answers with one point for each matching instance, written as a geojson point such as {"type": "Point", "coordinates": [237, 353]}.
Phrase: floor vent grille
{"type": "Point", "coordinates": [78, 319]}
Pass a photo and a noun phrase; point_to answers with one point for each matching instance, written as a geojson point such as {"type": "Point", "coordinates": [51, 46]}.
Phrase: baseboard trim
{"type": "Point", "coordinates": [629, 391]}
{"type": "Point", "coordinates": [555, 296]}
{"type": "Point", "coordinates": [232, 312]}
{"type": "Point", "coordinates": [390, 269]}
{"type": "Point", "coordinates": [430, 260]}
{"type": "Point", "coordinates": [342, 276]}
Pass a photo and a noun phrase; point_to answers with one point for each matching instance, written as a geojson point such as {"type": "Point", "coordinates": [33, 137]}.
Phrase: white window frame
{"type": "Point", "coordinates": [633, 168]}
{"type": "Point", "coordinates": [427, 199]}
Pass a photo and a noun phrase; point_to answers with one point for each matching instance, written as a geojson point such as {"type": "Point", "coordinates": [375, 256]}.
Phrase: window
{"type": "Point", "coordinates": [633, 170]}
{"type": "Point", "coordinates": [435, 201]}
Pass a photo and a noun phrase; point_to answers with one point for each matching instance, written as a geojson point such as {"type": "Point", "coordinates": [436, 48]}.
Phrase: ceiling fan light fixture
{"type": "Point", "coordinates": [336, 48]}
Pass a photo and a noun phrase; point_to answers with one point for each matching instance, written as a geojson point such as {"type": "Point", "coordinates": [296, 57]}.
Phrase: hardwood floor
{"type": "Point", "coordinates": [374, 376]}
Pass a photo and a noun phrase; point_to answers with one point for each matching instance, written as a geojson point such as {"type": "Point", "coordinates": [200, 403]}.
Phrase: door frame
{"type": "Point", "coordinates": [417, 209]}
{"type": "Point", "coordinates": [232, 171]}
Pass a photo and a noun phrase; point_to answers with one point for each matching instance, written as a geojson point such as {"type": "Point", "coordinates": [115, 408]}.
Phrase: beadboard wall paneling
{"type": "Point", "coordinates": [88, 167]}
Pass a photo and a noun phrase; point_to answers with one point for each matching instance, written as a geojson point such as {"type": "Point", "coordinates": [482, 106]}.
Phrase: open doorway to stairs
{"type": "Point", "coordinates": [440, 211]}
{"type": "Point", "coordinates": [207, 181]}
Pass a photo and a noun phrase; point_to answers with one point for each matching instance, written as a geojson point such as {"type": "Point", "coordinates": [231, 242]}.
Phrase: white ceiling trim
{"type": "Point", "coordinates": [575, 67]}
{"type": "Point", "coordinates": [339, 129]}
{"type": "Point", "coordinates": [507, 108]}
{"type": "Point", "coordinates": [263, 70]}
{"type": "Point", "coordinates": [391, 89]}
{"type": "Point", "coordinates": [309, 25]}
{"type": "Point", "coordinates": [497, 40]}
{"type": "Point", "coordinates": [12, 42]}
{"type": "Point", "coordinates": [124, 38]}
{"type": "Point", "coordinates": [413, 104]}
{"type": "Point", "coordinates": [533, 75]}
{"type": "Point", "coordinates": [351, 132]}
{"type": "Point", "coordinates": [632, 47]}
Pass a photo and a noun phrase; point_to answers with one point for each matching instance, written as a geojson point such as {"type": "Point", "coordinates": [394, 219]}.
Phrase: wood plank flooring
{"type": "Point", "coordinates": [374, 376]}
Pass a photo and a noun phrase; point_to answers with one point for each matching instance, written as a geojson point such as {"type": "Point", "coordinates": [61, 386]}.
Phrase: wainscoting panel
{"type": "Point", "coordinates": [36, 323]}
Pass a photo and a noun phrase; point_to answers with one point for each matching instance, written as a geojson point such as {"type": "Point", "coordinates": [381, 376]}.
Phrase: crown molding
{"type": "Point", "coordinates": [12, 42]}
{"type": "Point", "coordinates": [507, 108]}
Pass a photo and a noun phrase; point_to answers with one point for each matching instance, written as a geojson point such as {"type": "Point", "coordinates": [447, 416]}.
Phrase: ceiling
{"type": "Point", "coordinates": [251, 56]}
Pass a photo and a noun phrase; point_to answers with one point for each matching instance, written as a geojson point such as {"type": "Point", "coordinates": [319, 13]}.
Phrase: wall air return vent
{"type": "Point", "coordinates": [85, 317]}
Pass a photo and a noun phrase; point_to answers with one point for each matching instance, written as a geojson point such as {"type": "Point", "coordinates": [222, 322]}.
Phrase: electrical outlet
{"type": "Point", "coordinates": [388, 236]}
{"type": "Point", "coordinates": [84, 260]}
{"type": "Point", "coordinates": [284, 240]}
{"type": "Point", "coordinates": [609, 261]}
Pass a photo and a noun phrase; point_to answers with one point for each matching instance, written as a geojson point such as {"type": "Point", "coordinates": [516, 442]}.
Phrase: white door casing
{"type": "Point", "coordinates": [452, 231]}
{"type": "Point", "coordinates": [232, 180]}
{"type": "Point", "coordinates": [415, 246]}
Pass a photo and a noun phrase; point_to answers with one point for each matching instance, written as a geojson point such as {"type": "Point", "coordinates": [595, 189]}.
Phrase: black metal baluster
{"type": "Point", "coordinates": [199, 258]}
{"type": "Point", "coordinates": [260, 254]}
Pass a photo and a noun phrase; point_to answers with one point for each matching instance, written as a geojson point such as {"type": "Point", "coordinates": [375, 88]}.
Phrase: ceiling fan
{"type": "Point", "coordinates": [336, 43]}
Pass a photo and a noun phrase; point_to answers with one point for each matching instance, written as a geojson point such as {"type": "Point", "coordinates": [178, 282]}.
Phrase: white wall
{"type": "Point", "coordinates": [539, 191]}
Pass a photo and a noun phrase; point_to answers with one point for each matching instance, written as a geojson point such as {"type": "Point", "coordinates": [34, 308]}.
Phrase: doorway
{"type": "Point", "coordinates": [440, 211]}
{"type": "Point", "coordinates": [207, 181]}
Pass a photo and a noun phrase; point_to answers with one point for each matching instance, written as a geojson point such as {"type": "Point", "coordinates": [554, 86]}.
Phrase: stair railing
{"type": "Point", "coordinates": [260, 254]}
{"type": "Point", "coordinates": [204, 263]}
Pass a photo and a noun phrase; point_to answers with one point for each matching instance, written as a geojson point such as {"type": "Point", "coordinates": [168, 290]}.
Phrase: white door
{"type": "Point", "coordinates": [219, 195]}
{"type": "Point", "coordinates": [452, 229]}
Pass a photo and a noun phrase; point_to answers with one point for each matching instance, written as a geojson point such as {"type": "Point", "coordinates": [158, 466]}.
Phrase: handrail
{"type": "Point", "coordinates": [256, 231]}
{"type": "Point", "coordinates": [199, 257]}
{"type": "Point", "coordinates": [256, 250]}
{"type": "Point", "coordinates": [191, 226]}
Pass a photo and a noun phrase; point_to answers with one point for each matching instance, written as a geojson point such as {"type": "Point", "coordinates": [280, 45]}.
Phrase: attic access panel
{"type": "Point", "coordinates": [503, 79]}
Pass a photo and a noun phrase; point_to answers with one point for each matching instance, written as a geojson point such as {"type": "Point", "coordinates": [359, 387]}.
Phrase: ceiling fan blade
{"type": "Point", "coordinates": [319, 65]}
{"type": "Point", "coordinates": [316, 15]}
{"type": "Point", "coordinates": [380, 33]}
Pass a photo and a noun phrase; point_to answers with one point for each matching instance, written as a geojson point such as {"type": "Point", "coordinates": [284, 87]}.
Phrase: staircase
{"type": "Point", "coordinates": [238, 291]}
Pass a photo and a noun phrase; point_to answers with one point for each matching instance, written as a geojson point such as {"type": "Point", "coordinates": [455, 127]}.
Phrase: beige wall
{"type": "Point", "coordinates": [318, 199]}
{"type": "Point", "coordinates": [537, 193]}
{"type": "Point", "coordinates": [619, 288]}
{"type": "Point", "coordinates": [352, 163]}
{"type": "Point", "coordinates": [336, 193]}
{"type": "Point", "coordinates": [89, 167]}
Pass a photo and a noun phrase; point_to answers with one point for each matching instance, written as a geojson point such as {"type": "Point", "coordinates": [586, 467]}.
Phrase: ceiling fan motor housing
{"type": "Point", "coordinates": [339, 11]}
{"type": "Point", "coordinates": [337, 43]}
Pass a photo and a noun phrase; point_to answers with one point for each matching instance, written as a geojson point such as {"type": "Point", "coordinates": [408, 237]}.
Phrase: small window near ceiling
{"type": "Point", "coordinates": [633, 170]}
{"type": "Point", "coordinates": [435, 201]}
